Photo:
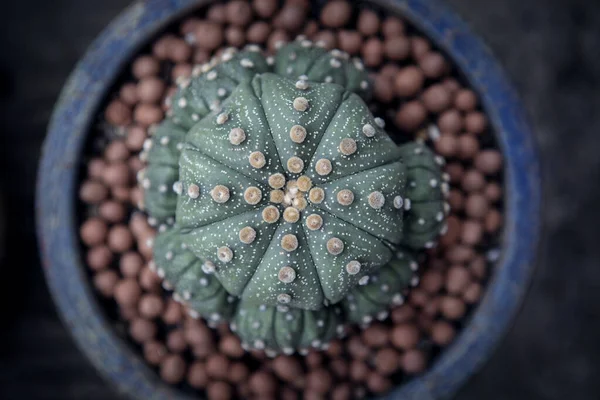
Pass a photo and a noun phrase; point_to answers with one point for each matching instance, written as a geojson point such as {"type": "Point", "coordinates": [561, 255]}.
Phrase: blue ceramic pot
{"type": "Point", "coordinates": [79, 103]}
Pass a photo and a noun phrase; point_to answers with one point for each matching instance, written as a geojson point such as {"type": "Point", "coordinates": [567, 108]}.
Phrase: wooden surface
{"type": "Point", "coordinates": [550, 49]}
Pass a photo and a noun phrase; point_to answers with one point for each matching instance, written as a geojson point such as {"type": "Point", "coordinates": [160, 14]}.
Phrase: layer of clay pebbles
{"type": "Point", "coordinates": [419, 94]}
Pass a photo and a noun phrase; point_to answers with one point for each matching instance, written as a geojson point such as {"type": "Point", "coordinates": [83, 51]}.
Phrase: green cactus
{"type": "Point", "coordinates": [426, 191]}
{"type": "Point", "coordinates": [372, 298]}
{"type": "Point", "coordinates": [303, 58]}
{"type": "Point", "coordinates": [288, 199]}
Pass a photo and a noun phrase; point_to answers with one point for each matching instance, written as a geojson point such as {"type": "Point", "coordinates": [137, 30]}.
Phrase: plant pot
{"type": "Point", "coordinates": [57, 217]}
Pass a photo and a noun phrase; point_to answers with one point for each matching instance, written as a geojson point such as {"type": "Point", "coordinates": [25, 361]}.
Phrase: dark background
{"type": "Point", "coordinates": [551, 49]}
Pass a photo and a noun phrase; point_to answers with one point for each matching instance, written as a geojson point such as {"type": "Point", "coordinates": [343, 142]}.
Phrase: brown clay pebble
{"type": "Point", "coordinates": [142, 330]}
{"type": "Point", "coordinates": [339, 367]}
{"type": "Point", "coordinates": [112, 211]}
{"type": "Point", "coordinates": [453, 232]}
{"type": "Point", "coordinates": [476, 206]}
{"type": "Point", "coordinates": [372, 52]}
{"type": "Point", "coordinates": [149, 280]}
{"type": "Point", "coordinates": [418, 297]}
{"type": "Point", "coordinates": [493, 221]}
{"type": "Point", "coordinates": [92, 192]}
{"type": "Point", "coordinates": [450, 121]}
{"type": "Point", "coordinates": [160, 49]}
{"type": "Point", "coordinates": [383, 89]}
{"type": "Point", "coordinates": [456, 200]}
{"type": "Point", "coordinates": [235, 36]}
{"type": "Point", "coordinates": [432, 281]}
{"type": "Point", "coordinates": [357, 348]}
{"type": "Point", "coordinates": [127, 292]}
{"type": "Point", "coordinates": [105, 282]}
{"type": "Point", "coordinates": [387, 361]}
{"type": "Point", "coordinates": [392, 26]}
{"type": "Point", "coordinates": [148, 114]}
{"type": "Point", "coordinates": [238, 372]}
{"type": "Point", "coordinates": [209, 35]}
{"type": "Point", "coordinates": [180, 51]}
{"type": "Point", "coordinates": [172, 369]}
{"type": "Point", "coordinates": [358, 371]}
{"type": "Point", "coordinates": [420, 47]}
{"type": "Point", "coordinates": [258, 32]}
{"type": "Point", "coordinates": [96, 168]}
{"type": "Point", "coordinates": [493, 192]}
{"type": "Point", "coordinates": [217, 366]}
{"type": "Point", "coordinates": [378, 384]}
{"type": "Point", "coordinates": [128, 313]}
{"type": "Point", "coordinates": [397, 48]}
{"type": "Point", "coordinates": [319, 380]}
{"type": "Point", "coordinates": [405, 336]}
{"type": "Point", "coordinates": [201, 56]}
{"type": "Point", "coordinates": [93, 231]}
{"type": "Point", "coordinates": [154, 352]}
{"type": "Point", "coordinates": [436, 98]}
{"type": "Point", "coordinates": [402, 314]}
{"type": "Point", "coordinates": [472, 233]}
{"type": "Point", "coordinates": [121, 193]}
{"type": "Point", "coordinates": [216, 13]}
{"type": "Point", "coordinates": [173, 314]}
{"type": "Point", "coordinates": [468, 146]}
{"type": "Point", "coordinates": [116, 151]}
{"type": "Point", "coordinates": [128, 93]}
{"type": "Point", "coordinates": [376, 335]}
{"type": "Point", "coordinates": [446, 145]}
{"type": "Point", "coordinates": [452, 308]}
{"type": "Point", "coordinates": [409, 81]}
{"type": "Point", "coordinates": [277, 38]}
{"type": "Point", "coordinates": [314, 359]}
{"type": "Point", "coordinates": [456, 171]}
{"type": "Point", "coordinates": [310, 29]}
{"type": "Point", "coordinates": [473, 181]}
{"type": "Point", "coordinates": [120, 238]}
{"type": "Point", "coordinates": [180, 70]}
{"type": "Point", "coordinates": [150, 90]}
{"type": "Point", "coordinates": [472, 294]}
{"type": "Point", "coordinates": [145, 66]}
{"type": "Point", "coordinates": [131, 264]}
{"type": "Point", "coordinates": [287, 368]}
{"type": "Point", "coordinates": [327, 39]}
{"type": "Point", "coordinates": [350, 42]}
{"type": "Point", "coordinates": [452, 85]}
{"type": "Point", "coordinates": [389, 71]}
{"type": "Point", "coordinates": [478, 267]}
{"type": "Point", "coordinates": [265, 8]}
{"type": "Point", "coordinates": [433, 65]}
{"type": "Point", "coordinates": [118, 113]}
{"type": "Point", "coordinates": [488, 161]}
{"type": "Point", "coordinates": [336, 14]}
{"type": "Point", "coordinates": [465, 100]}
{"type": "Point", "coordinates": [458, 279]}
{"type": "Point", "coordinates": [442, 333]}
{"type": "Point", "coordinates": [150, 306]}
{"type": "Point", "coordinates": [476, 122]}
{"type": "Point", "coordinates": [368, 23]}
{"type": "Point", "coordinates": [238, 12]}
{"type": "Point", "coordinates": [136, 136]}
{"type": "Point", "coordinates": [219, 391]}
{"type": "Point", "coordinates": [189, 25]}
{"type": "Point", "coordinates": [342, 391]}
{"type": "Point", "coordinates": [230, 345]}
{"type": "Point", "coordinates": [263, 383]}
{"type": "Point", "coordinates": [291, 18]}
{"type": "Point", "coordinates": [99, 257]}
{"type": "Point", "coordinates": [460, 254]}
{"type": "Point", "coordinates": [176, 341]}
{"type": "Point", "coordinates": [413, 361]}
{"type": "Point", "coordinates": [197, 376]}
{"type": "Point", "coordinates": [411, 115]}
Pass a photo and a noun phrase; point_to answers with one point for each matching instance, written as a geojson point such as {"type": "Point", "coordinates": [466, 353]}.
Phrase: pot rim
{"type": "Point", "coordinates": [87, 87]}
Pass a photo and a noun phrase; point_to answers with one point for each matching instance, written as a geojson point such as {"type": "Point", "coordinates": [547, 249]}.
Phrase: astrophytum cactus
{"type": "Point", "coordinates": [283, 205]}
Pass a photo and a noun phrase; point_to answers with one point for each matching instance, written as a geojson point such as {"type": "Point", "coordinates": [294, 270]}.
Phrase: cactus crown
{"type": "Point", "coordinates": [287, 197]}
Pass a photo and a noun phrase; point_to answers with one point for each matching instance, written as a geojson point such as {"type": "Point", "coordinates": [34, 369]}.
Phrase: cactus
{"type": "Point", "coordinates": [286, 202]}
